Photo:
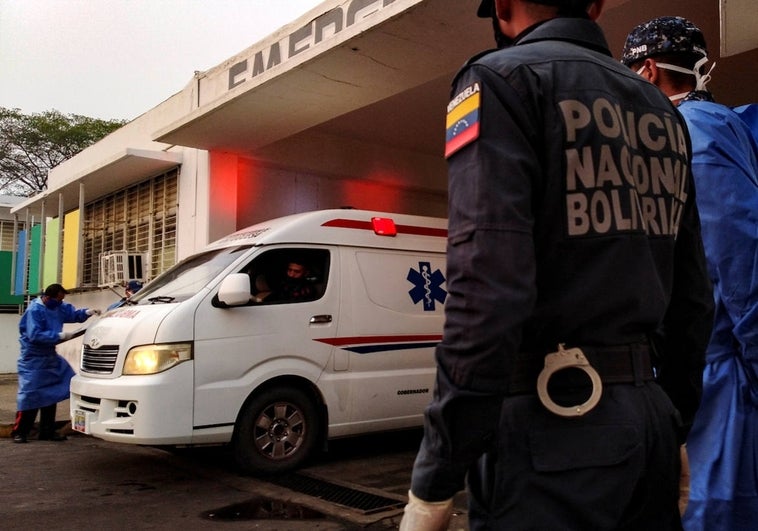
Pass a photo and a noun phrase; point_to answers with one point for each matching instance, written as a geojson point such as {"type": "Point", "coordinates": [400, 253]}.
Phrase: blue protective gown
{"type": "Point", "coordinates": [723, 442]}
{"type": "Point", "coordinates": [749, 115]}
{"type": "Point", "coordinates": [43, 375]}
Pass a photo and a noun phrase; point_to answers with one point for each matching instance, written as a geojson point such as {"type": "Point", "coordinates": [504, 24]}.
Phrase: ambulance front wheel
{"type": "Point", "coordinates": [277, 431]}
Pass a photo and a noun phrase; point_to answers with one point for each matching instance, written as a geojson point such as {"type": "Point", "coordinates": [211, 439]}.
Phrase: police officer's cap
{"type": "Point", "coordinates": [134, 286]}
{"type": "Point", "coordinates": [487, 7]}
{"type": "Point", "coordinates": [663, 35]}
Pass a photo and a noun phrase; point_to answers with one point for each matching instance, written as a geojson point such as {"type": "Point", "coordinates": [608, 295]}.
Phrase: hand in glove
{"type": "Point", "coordinates": [65, 336]}
{"type": "Point", "coordinates": [420, 515]}
{"type": "Point", "coordinates": [90, 311]}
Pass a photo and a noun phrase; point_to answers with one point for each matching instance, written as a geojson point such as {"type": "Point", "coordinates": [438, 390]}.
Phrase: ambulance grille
{"type": "Point", "coordinates": [100, 360]}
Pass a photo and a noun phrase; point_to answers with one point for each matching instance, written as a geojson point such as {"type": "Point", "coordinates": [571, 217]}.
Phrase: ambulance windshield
{"type": "Point", "coordinates": [188, 277]}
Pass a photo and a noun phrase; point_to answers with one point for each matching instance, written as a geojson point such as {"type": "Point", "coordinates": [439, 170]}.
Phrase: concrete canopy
{"type": "Point", "coordinates": [386, 86]}
{"type": "Point", "coordinates": [123, 169]}
{"type": "Point", "coordinates": [373, 67]}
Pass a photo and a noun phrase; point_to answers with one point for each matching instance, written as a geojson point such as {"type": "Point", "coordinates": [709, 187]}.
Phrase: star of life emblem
{"type": "Point", "coordinates": [427, 286]}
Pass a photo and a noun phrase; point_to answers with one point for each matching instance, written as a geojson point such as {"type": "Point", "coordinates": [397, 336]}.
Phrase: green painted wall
{"type": "Point", "coordinates": [34, 258]}
{"type": "Point", "coordinates": [6, 261]}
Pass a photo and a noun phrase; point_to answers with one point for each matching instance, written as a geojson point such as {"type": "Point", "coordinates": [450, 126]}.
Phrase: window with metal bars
{"type": "Point", "coordinates": [6, 233]}
{"type": "Point", "coordinates": [138, 219]}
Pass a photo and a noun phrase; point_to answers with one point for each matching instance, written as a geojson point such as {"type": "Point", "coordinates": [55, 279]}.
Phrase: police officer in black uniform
{"type": "Point", "coordinates": [579, 306]}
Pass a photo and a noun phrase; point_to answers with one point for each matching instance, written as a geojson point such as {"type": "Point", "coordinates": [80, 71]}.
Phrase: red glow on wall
{"type": "Point", "coordinates": [371, 196]}
{"type": "Point", "coordinates": [223, 173]}
{"type": "Point", "coordinates": [251, 194]}
{"type": "Point", "coordinates": [222, 194]}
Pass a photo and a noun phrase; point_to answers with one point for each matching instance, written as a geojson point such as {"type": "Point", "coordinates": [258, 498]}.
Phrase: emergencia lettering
{"type": "Point", "coordinates": [315, 32]}
{"type": "Point", "coordinates": [244, 234]}
{"type": "Point", "coordinates": [631, 180]}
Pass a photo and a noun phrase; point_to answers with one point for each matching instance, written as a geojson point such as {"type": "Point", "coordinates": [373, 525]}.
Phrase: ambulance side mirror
{"type": "Point", "coordinates": [235, 290]}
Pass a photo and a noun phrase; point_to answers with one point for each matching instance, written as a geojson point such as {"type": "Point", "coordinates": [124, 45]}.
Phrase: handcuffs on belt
{"type": "Point", "coordinates": [566, 359]}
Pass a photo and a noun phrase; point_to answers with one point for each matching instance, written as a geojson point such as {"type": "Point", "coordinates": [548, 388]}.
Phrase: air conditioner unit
{"type": "Point", "coordinates": [119, 267]}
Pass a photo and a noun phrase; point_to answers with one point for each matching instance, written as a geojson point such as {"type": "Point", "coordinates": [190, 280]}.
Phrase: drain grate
{"type": "Point", "coordinates": [365, 502]}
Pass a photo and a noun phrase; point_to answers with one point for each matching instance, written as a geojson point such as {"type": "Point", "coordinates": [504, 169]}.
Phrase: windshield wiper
{"type": "Point", "coordinates": [161, 298]}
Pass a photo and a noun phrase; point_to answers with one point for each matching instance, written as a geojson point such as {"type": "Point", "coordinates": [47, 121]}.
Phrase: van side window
{"type": "Point", "coordinates": [288, 275]}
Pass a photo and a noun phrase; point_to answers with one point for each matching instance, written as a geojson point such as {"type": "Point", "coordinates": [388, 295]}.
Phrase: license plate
{"type": "Point", "coordinates": [80, 421]}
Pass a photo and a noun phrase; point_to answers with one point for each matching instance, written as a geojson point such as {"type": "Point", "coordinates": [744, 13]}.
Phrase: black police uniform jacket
{"type": "Point", "coordinates": [572, 219]}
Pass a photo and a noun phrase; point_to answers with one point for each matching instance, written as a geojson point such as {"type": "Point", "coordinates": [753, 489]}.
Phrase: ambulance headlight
{"type": "Point", "coordinates": [151, 359]}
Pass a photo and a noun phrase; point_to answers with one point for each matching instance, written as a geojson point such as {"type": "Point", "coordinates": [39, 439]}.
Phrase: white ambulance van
{"type": "Point", "coordinates": [218, 350]}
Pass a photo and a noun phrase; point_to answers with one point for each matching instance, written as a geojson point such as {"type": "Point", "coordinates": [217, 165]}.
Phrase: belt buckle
{"type": "Point", "coordinates": [565, 359]}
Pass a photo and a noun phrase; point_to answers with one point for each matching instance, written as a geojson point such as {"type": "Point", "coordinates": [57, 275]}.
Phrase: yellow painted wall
{"type": "Point", "coordinates": [70, 248]}
{"type": "Point", "coordinates": [50, 260]}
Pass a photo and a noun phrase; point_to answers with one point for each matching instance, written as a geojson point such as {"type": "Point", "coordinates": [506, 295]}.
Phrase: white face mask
{"type": "Point", "coordinates": [700, 80]}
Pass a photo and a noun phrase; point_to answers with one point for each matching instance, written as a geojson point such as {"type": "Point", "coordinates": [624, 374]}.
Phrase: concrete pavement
{"type": "Point", "coordinates": [87, 483]}
{"type": "Point", "coordinates": [8, 388]}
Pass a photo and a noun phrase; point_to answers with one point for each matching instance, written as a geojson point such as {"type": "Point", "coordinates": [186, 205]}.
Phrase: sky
{"type": "Point", "coordinates": [116, 59]}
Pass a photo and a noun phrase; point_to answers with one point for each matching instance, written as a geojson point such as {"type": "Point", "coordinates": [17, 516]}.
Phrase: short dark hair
{"type": "Point", "coordinates": [53, 290]}
{"type": "Point", "coordinates": [299, 260]}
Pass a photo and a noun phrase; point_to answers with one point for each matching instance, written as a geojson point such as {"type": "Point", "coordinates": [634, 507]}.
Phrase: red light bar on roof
{"type": "Point", "coordinates": [416, 230]}
{"type": "Point", "coordinates": [384, 226]}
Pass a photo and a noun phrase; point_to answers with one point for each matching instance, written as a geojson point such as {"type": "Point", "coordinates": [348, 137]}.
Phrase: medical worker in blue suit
{"type": "Point", "coordinates": [43, 375]}
{"type": "Point", "coordinates": [723, 442]}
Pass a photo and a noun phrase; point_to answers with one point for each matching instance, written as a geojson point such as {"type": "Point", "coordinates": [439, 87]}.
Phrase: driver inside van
{"type": "Point", "coordinates": [296, 284]}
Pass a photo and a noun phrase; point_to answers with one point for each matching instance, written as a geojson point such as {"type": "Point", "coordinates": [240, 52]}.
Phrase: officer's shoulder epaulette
{"type": "Point", "coordinates": [471, 61]}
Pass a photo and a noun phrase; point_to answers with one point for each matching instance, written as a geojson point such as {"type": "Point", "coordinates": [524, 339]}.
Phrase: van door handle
{"type": "Point", "coordinates": [321, 319]}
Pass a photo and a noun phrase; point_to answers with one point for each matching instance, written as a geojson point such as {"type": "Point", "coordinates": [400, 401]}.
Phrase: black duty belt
{"type": "Point", "coordinates": [614, 364]}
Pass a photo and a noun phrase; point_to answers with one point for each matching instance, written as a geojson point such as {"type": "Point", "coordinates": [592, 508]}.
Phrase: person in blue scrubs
{"type": "Point", "coordinates": [43, 375]}
{"type": "Point", "coordinates": [723, 442]}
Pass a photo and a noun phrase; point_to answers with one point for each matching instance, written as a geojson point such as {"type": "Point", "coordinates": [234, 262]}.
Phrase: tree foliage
{"type": "Point", "coordinates": [32, 144]}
